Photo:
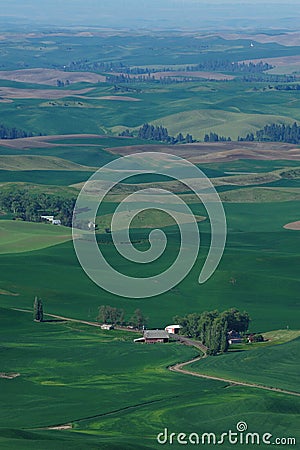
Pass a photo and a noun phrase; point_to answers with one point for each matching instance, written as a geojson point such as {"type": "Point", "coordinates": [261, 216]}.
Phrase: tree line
{"type": "Point", "coordinates": [212, 327]}
{"type": "Point", "coordinates": [129, 79]}
{"type": "Point", "coordinates": [268, 77]}
{"type": "Point", "coordinates": [287, 87]}
{"type": "Point", "coordinates": [275, 133]}
{"type": "Point", "coordinates": [116, 316]}
{"type": "Point", "coordinates": [272, 132]}
{"type": "Point", "coordinates": [14, 133]}
{"type": "Point", "coordinates": [216, 65]}
{"type": "Point", "coordinates": [214, 137]}
{"type": "Point", "coordinates": [231, 66]}
{"type": "Point", "coordinates": [26, 206]}
{"type": "Point", "coordinates": [159, 133]}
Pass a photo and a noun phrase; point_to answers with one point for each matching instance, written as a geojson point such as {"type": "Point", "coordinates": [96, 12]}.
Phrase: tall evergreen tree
{"type": "Point", "coordinates": [38, 313]}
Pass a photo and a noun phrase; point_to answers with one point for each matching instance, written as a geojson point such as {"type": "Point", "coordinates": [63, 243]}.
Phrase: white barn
{"type": "Point", "coordinates": [173, 329]}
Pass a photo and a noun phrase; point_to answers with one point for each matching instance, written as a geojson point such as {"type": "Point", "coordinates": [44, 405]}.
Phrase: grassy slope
{"type": "Point", "coordinates": [35, 162]}
{"type": "Point", "coordinates": [276, 366]}
{"type": "Point", "coordinates": [146, 219]}
{"type": "Point", "coordinates": [225, 123]}
{"type": "Point", "coordinates": [229, 108]}
{"type": "Point", "coordinates": [45, 177]}
{"type": "Point", "coordinates": [18, 236]}
{"type": "Point", "coordinates": [261, 255]}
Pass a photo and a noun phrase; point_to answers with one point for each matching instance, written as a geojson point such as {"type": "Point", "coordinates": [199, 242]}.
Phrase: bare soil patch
{"type": "Point", "coordinates": [287, 39]}
{"type": "Point", "coordinates": [219, 152]}
{"type": "Point", "coordinates": [4, 292]}
{"type": "Point", "coordinates": [50, 76]}
{"type": "Point", "coordinates": [119, 97]}
{"type": "Point", "coordinates": [279, 61]}
{"type": "Point", "coordinates": [67, 426]}
{"type": "Point", "coordinates": [48, 141]}
{"type": "Point", "coordinates": [9, 376]}
{"type": "Point", "coordinates": [292, 225]}
{"type": "Point", "coordinates": [10, 93]}
{"type": "Point", "coordinates": [194, 74]}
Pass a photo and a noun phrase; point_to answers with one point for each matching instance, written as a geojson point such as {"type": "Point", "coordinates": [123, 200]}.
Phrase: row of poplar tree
{"type": "Point", "coordinates": [212, 327]}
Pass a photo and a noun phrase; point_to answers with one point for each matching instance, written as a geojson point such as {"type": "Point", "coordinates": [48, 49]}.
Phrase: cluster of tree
{"type": "Point", "coordinates": [287, 87]}
{"type": "Point", "coordinates": [85, 65]}
{"type": "Point", "coordinates": [268, 78]}
{"type": "Point", "coordinates": [276, 133]}
{"type": "Point", "coordinates": [124, 78]}
{"type": "Point", "coordinates": [115, 316]}
{"type": "Point", "coordinates": [13, 133]}
{"type": "Point", "coordinates": [126, 133]}
{"type": "Point", "coordinates": [231, 66]}
{"type": "Point", "coordinates": [38, 314]}
{"type": "Point", "coordinates": [61, 83]}
{"type": "Point", "coordinates": [126, 89]}
{"type": "Point", "coordinates": [211, 65]}
{"type": "Point", "coordinates": [160, 133]}
{"type": "Point", "coordinates": [212, 327]}
{"type": "Point", "coordinates": [214, 137]}
{"type": "Point", "coordinates": [111, 315]}
{"type": "Point", "coordinates": [24, 205]}
{"type": "Point", "coordinates": [273, 132]}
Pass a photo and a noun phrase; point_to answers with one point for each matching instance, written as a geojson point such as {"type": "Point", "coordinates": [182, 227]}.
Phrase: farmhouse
{"type": "Point", "coordinates": [154, 336]}
{"type": "Point", "coordinates": [51, 220]}
{"type": "Point", "coordinates": [106, 326]}
{"type": "Point", "coordinates": [173, 329]}
{"type": "Point", "coordinates": [234, 337]}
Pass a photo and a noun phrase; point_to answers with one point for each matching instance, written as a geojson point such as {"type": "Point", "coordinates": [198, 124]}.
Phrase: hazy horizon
{"type": "Point", "coordinates": [156, 13]}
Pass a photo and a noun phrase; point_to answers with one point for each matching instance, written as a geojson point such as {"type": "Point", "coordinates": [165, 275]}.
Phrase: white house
{"type": "Point", "coordinates": [107, 326]}
{"type": "Point", "coordinates": [173, 329]}
{"type": "Point", "coordinates": [51, 220]}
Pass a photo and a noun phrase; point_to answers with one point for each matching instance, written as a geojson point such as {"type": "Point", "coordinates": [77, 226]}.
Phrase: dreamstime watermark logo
{"type": "Point", "coordinates": [108, 177]}
{"type": "Point", "coordinates": [239, 436]}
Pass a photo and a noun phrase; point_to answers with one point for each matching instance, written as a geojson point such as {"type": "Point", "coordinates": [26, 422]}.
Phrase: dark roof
{"type": "Point", "coordinates": [156, 334]}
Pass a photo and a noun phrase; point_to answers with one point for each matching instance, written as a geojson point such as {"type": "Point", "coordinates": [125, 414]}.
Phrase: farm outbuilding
{"type": "Point", "coordinates": [173, 329]}
{"type": "Point", "coordinates": [51, 220]}
{"type": "Point", "coordinates": [154, 336]}
{"type": "Point", "coordinates": [234, 337]}
{"type": "Point", "coordinates": [107, 326]}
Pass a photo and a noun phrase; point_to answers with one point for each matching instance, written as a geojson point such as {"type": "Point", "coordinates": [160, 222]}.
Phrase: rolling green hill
{"type": "Point", "coordinates": [37, 162]}
{"type": "Point", "coordinates": [18, 236]}
{"type": "Point", "coordinates": [223, 122]}
{"type": "Point", "coordinates": [277, 366]}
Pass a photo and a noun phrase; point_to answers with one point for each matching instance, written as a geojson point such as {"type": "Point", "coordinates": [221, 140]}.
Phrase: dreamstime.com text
{"type": "Point", "coordinates": [233, 437]}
